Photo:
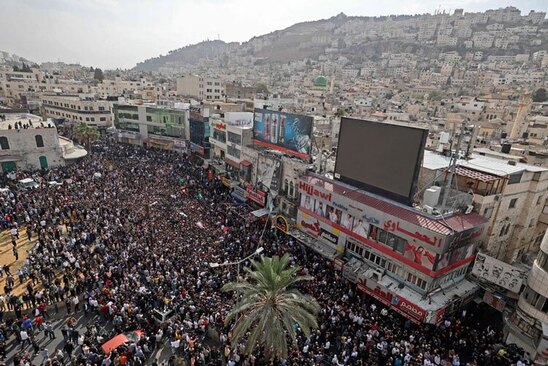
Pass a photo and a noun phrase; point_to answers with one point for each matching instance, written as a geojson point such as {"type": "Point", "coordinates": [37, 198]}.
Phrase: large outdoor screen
{"type": "Point", "coordinates": [381, 158]}
{"type": "Point", "coordinates": [286, 132]}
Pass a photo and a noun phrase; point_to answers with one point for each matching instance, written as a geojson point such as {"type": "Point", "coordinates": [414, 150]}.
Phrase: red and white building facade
{"type": "Point", "coordinates": [411, 261]}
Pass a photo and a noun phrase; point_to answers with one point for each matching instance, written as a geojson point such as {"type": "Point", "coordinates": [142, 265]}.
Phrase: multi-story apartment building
{"type": "Point", "coordinates": [152, 125]}
{"type": "Point", "coordinates": [83, 108]}
{"type": "Point", "coordinates": [228, 137]}
{"type": "Point", "coordinates": [509, 194]}
{"type": "Point", "coordinates": [526, 327]}
{"type": "Point", "coordinates": [200, 87]}
{"type": "Point", "coordinates": [536, 17]}
{"type": "Point", "coordinates": [200, 132]}
{"type": "Point", "coordinates": [237, 91]}
{"type": "Point", "coordinates": [28, 142]}
{"type": "Point", "coordinates": [119, 87]}
{"type": "Point", "coordinates": [483, 40]}
{"type": "Point", "coordinates": [17, 86]}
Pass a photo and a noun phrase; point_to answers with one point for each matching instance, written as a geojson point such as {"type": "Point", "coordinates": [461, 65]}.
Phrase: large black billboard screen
{"type": "Point", "coordinates": [381, 158]}
{"type": "Point", "coordinates": [286, 132]}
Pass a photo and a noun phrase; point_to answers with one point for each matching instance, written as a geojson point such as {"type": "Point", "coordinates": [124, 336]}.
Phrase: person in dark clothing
{"type": "Point", "coordinates": [35, 346]}
{"type": "Point", "coordinates": [2, 350]}
{"type": "Point", "coordinates": [69, 347]}
{"type": "Point", "coordinates": [64, 332]}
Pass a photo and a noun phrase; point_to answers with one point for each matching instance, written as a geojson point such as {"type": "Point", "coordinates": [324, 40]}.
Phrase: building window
{"type": "Point", "coordinates": [513, 202]}
{"type": "Point", "coordinates": [515, 178]}
{"type": "Point", "coordinates": [234, 138]}
{"type": "Point", "coordinates": [219, 135]}
{"type": "Point", "coordinates": [233, 151]}
{"type": "Point", "coordinates": [542, 260]}
{"type": "Point", "coordinates": [393, 241]}
{"type": "Point", "coordinates": [395, 269]}
{"type": "Point", "coordinates": [291, 189]}
{"type": "Point", "coordinates": [502, 230]}
{"type": "Point", "coordinates": [39, 141]}
{"type": "Point", "coordinates": [4, 144]}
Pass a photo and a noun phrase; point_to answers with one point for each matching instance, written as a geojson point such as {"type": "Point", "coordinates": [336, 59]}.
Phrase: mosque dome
{"type": "Point", "coordinates": [320, 81]}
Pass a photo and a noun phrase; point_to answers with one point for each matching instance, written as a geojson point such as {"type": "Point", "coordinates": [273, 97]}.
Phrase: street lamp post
{"type": "Point", "coordinates": [237, 263]}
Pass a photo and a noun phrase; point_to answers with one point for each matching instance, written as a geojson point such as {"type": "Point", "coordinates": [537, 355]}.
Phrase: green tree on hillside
{"type": "Point", "coordinates": [540, 95]}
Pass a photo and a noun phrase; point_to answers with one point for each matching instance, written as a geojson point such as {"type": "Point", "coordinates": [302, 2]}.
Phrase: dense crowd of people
{"type": "Point", "coordinates": [128, 237]}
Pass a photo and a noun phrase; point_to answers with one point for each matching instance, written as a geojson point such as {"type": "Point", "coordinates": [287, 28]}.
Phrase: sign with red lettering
{"type": "Point", "coordinates": [311, 190]}
{"type": "Point", "coordinates": [220, 126]}
{"type": "Point", "coordinates": [408, 307]}
{"type": "Point", "coordinates": [399, 229]}
{"type": "Point", "coordinates": [398, 303]}
{"type": "Point", "coordinates": [255, 195]}
{"type": "Point", "coordinates": [311, 228]}
{"type": "Point", "coordinates": [439, 315]}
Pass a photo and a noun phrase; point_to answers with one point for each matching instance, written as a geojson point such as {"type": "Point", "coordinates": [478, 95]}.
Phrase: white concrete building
{"type": "Point", "coordinates": [528, 325]}
{"type": "Point", "coordinates": [27, 142]}
{"type": "Point", "coordinates": [510, 195]}
{"type": "Point", "coordinates": [228, 137]}
{"type": "Point", "coordinates": [200, 87]}
{"type": "Point", "coordinates": [152, 125]}
{"type": "Point", "coordinates": [83, 108]}
{"type": "Point", "coordinates": [17, 85]}
{"type": "Point", "coordinates": [119, 87]}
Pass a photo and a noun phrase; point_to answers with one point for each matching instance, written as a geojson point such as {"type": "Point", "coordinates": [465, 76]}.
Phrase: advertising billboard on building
{"type": "Point", "coordinates": [317, 229]}
{"type": "Point", "coordinates": [494, 301]}
{"type": "Point", "coordinates": [286, 132]}
{"type": "Point", "coordinates": [500, 273]}
{"type": "Point", "coordinates": [381, 158]}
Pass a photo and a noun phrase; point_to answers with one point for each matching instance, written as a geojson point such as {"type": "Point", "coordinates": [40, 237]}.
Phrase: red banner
{"type": "Point", "coordinates": [256, 195]}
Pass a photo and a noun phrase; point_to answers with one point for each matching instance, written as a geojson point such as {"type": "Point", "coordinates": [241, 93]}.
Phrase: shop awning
{"type": "Point", "coordinates": [232, 163]}
{"type": "Point", "coordinates": [260, 212]}
{"type": "Point", "coordinates": [245, 163]}
{"type": "Point", "coordinates": [238, 198]}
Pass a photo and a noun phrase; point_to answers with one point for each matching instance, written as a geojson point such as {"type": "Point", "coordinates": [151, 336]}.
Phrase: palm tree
{"type": "Point", "coordinates": [268, 308]}
{"type": "Point", "coordinates": [86, 134]}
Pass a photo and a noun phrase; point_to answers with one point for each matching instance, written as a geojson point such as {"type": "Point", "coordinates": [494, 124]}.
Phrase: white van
{"type": "Point", "coordinates": [28, 183]}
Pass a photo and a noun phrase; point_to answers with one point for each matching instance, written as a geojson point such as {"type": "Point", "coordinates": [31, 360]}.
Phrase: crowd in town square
{"type": "Point", "coordinates": [130, 234]}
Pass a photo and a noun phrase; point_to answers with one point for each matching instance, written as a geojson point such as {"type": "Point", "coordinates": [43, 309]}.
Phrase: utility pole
{"type": "Point", "coordinates": [452, 165]}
